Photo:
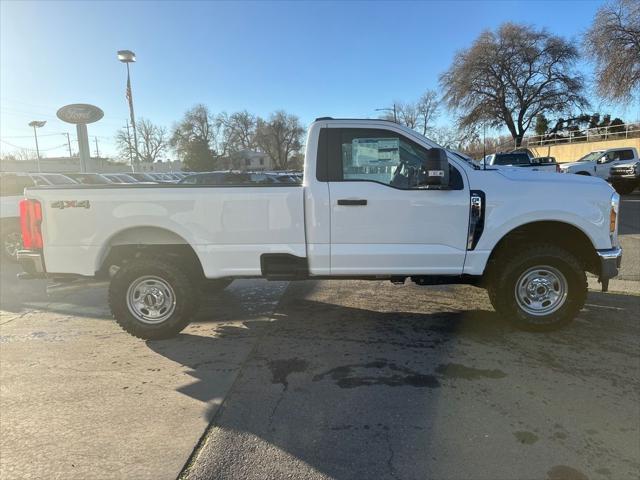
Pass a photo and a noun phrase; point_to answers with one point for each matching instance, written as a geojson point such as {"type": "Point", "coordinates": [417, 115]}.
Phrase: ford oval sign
{"type": "Point", "coordinates": [80, 113]}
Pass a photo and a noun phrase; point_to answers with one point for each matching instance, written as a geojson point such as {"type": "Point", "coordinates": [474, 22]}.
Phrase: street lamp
{"type": "Point", "coordinates": [127, 57]}
{"type": "Point", "coordinates": [37, 124]}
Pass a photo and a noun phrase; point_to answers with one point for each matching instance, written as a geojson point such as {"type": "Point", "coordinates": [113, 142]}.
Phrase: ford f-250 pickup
{"type": "Point", "coordinates": [378, 201]}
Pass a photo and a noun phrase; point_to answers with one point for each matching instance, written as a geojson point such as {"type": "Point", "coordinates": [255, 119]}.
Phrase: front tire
{"type": "Point", "coordinates": [153, 298]}
{"type": "Point", "coordinates": [538, 289]}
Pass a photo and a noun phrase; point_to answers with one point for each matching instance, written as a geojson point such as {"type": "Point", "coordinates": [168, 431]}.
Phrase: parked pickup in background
{"type": "Point", "coordinates": [378, 201]}
{"type": "Point", "coordinates": [521, 159]}
{"type": "Point", "coordinates": [625, 176]}
{"type": "Point", "coordinates": [599, 163]}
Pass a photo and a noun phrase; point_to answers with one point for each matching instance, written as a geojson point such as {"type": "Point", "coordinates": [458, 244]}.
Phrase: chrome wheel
{"type": "Point", "coordinates": [541, 290]}
{"type": "Point", "coordinates": [12, 243]}
{"type": "Point", "coordinates": [151, 299]}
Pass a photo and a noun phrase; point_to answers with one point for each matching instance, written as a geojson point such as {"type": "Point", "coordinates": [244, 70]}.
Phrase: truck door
{"type": "Point", "coordinates": [382, 220]}
{"type": "Point", "coordinates": [608, 160]}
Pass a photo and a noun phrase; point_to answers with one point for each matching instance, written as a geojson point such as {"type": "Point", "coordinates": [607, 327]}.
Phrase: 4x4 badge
{"type": "Point", "coordinates": [62, 204]}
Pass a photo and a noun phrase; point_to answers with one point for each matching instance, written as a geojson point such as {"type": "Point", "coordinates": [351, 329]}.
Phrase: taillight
{"type": "Point", "coordinates": [30, 221]}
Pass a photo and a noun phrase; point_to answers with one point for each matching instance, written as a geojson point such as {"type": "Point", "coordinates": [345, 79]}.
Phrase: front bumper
{"type": "Point", "coordinates": [610, 261]}
{"type": "Point", "coordinates": [32, 262]}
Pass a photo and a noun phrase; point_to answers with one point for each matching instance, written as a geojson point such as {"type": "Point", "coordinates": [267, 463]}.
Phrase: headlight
{"type": "Point", "coordinates": [613, 218]}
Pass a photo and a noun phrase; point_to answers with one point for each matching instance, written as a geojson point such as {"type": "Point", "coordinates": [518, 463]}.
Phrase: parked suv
{"type": "Point", "coordinates": [599, 163]}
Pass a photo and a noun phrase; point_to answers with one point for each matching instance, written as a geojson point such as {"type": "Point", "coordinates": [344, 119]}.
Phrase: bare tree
{"type": "Point", "coordinates": [510, 76]}
{"type": "Point", "coordinates": [418, 115]}
{"type": "Point", "coordinates": [280, 137]}
{"type": "Point", "coordinates": [428, 108]}
{"type": "Point", "coordinates": [124, 144]}
{"type": "Point", "coordinates": [152, 141]}
{"type": "Point", "coordinates": [613, 43]}
{"type": "Point", "coordinates": [239, 131]}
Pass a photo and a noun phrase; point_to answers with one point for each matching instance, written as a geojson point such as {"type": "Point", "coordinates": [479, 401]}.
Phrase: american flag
{"type": "Point", "coordinates": [128, 93]}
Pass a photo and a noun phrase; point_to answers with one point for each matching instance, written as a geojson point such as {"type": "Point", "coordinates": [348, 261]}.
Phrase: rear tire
{"type": "Point", "coordinates": [11, 241]}
{"type": "Point", "coordinates": [538, 288]}
{"type": "Point", "coordinates": [153, 298]}
{"type": "Point", "coordinates": [624, 188]}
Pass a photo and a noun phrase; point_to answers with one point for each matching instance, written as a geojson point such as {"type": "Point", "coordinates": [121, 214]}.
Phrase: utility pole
{"type": "Point", "coordinates": [389, 109]}
{"type": "Point", "coordinates": [37, 124]}
{"type": "Point", "coordinates": [68, 144]}
{"type": "Point", "coordinates": [97, 151]}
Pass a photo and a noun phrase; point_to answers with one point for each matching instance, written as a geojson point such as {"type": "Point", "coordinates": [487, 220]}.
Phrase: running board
{"type": "Point", "coordinates": [283, 266]}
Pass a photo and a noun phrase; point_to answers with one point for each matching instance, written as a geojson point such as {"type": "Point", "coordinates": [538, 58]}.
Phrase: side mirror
{"type": "Point", "coordinates": [436, 168]}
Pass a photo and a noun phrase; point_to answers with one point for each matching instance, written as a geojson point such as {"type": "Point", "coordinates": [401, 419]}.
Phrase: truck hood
{"type": "Point", "coordinates": [586, 165]}
{"type": "Point", "coordinates": [626, 163]}
{"type": "Point", "coordinates": [522, 175]}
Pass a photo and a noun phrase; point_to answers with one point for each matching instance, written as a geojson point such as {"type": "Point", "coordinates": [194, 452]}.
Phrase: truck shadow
{"type": "Point", "coordinates": [344, 388]}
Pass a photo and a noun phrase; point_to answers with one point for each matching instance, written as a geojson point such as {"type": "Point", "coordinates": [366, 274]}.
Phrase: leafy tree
{"type": "Point", "coordinates": [613, 44]}
{"type": "Point", "coordinates": [508, 77]}
{"type": "Point", "coordinates": [617, 126]}
{"type": "Point", "coordinates": [542, 125]}
{"type": "Point", "coordinates": [280, 137]}
{"type": "Point", "coordinates": [198, 127]}
{"type": "Point", "coordinates": [198, 156]}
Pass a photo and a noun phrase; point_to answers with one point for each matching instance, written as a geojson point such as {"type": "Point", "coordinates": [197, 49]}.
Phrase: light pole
{"type": "Point", "coordinates": [37, 124]}
{"type": "Point", "coordinates": [127, 57]}
{"type": "Point", "coordinates": [389, 109]}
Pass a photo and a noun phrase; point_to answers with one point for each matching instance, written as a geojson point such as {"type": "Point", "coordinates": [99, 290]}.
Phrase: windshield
{"type": "Point", "coordinates": [590, 157]}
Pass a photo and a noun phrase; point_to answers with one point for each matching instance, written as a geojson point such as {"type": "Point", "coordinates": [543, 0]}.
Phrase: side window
{"type": "Point", "coordinates": [376, 155]}
{"type": "Point", "coordinates": [611, 156]}
{"type": "Point", "coordinates": [625, 154]}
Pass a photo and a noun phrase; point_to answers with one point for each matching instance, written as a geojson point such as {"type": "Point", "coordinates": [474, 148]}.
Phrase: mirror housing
{"type": "Point", "coordinates": [436, 168]}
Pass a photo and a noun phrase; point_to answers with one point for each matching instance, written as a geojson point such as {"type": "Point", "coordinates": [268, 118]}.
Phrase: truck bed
{"type": "Point", "coordinates": [229, 227]}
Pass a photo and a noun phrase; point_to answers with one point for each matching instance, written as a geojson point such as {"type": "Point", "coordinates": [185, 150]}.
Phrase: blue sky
{"type": "Point", "coordinates": [309, 58]}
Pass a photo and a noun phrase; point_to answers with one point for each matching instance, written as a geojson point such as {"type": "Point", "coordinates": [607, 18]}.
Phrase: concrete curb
{"type": "Point", "coordinates": [629, 287]}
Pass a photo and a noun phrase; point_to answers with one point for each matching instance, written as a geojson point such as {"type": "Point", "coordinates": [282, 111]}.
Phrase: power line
{"type": "Point", "coordinates": [33, 149]}
{"type": "Point", "coordinates": [31, 136]}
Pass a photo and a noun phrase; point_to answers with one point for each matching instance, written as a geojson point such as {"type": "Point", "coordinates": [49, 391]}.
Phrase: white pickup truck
{"type": "Point", "coordinates": [378, 201]}
{"type": "Point", "coordinates": [520, 160]}
{"type": "Point", "coordinates": [599, 162]}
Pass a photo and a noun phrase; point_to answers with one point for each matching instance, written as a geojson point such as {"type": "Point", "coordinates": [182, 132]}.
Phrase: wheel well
{"type": "Point", "coordinates": [584, 173]}
{"type": "Point", "coordinates": [149, 241]}
{"type": "Point", "coordinates": [561, 234]}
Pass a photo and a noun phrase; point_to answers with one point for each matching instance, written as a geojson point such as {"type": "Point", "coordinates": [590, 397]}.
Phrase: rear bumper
{"type": "Point", "coordinates": [610, 261]}
{"type": "Point", "coordinates": [32, 262]}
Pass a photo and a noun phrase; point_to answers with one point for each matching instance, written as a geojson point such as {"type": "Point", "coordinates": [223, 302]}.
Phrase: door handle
{"type": "Point", "coordinates": [352, 203]}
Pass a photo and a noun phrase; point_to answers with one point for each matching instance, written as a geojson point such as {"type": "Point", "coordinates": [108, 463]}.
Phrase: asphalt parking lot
{"type": "Point", "coordinates": [345, 380]}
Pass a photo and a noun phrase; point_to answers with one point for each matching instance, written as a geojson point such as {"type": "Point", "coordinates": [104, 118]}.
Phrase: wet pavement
{"type": "Point", "coordinates": [360, 380]}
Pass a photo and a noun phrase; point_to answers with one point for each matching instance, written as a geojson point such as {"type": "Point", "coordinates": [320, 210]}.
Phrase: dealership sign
{"type": "Point", "coordinates": [80, 113]}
